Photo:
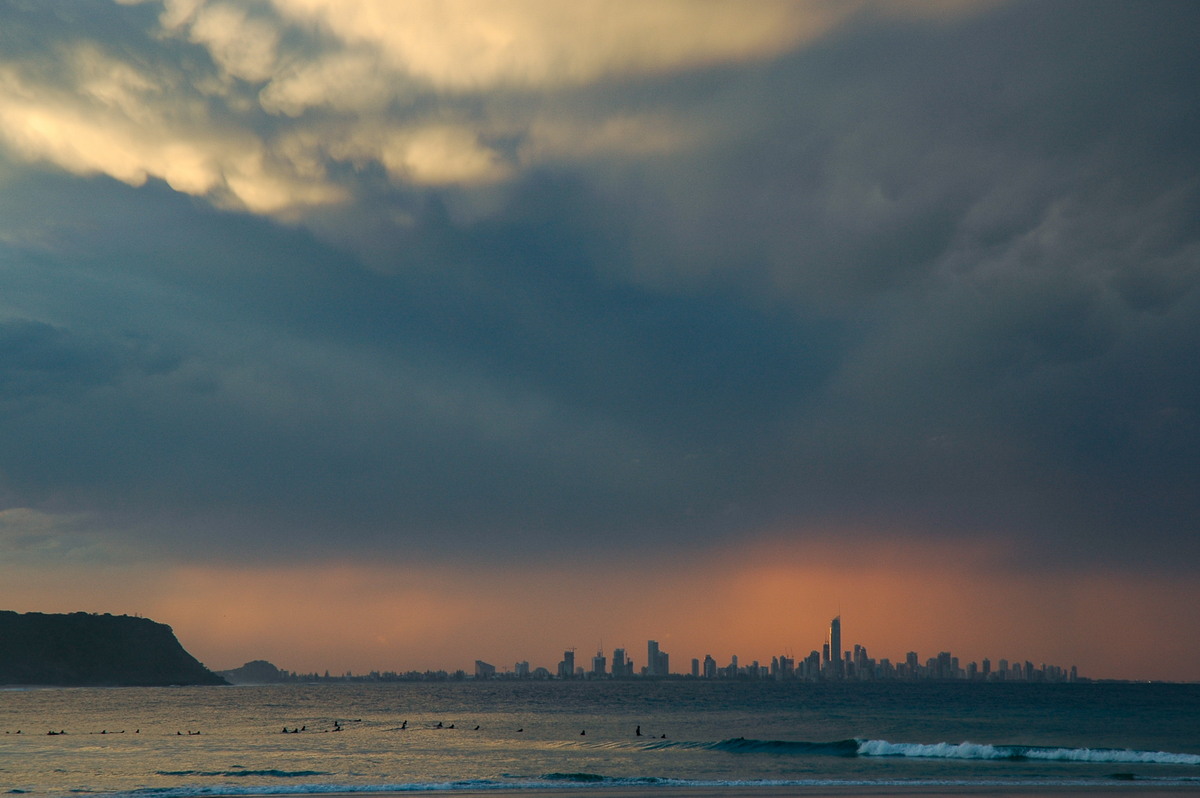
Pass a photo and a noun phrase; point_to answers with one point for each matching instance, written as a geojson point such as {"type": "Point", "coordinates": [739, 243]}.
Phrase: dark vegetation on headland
{"type": "Point", "coordinates": [82, 649]}
{"type": "Point", "coordinates": [260, 671]}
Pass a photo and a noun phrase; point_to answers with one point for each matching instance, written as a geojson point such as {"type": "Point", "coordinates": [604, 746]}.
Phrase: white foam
{"type": "Point", "coordinates": [968, 750]}
{"type": "Point", "coordinates": [1112, 755]}
{"type": "Point", "coordinates": [931, 750]}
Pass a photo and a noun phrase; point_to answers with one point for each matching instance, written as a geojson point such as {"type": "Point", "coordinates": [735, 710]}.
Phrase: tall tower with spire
{"type": "Point", "coordinates": [835, 648]}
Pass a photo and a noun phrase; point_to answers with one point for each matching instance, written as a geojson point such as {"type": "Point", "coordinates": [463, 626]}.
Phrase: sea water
{"type": "Point", "coordinates": [479, 736]}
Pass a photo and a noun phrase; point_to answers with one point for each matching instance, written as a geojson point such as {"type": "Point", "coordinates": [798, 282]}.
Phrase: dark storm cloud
{"type": "Point", "coordinates": [986, 205]}
{"type": "Point", "coordinates": [918, 275]}
{"type": "Point", "coordinates": [537, 397]}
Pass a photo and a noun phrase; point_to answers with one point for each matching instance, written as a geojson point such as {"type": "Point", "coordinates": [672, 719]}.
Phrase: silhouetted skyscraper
{"type": "Point", "coordinates": [599, 664]}
{"type": "Point", "coordinates": [657, 662]}
{"type": "Point", "coordinates": [835, 647]}
{"type": "Point", "coordinates": [619, 666]}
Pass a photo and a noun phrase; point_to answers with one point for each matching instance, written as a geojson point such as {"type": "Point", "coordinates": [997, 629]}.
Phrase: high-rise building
{"type": "Point", "coordinates": [835, 647]}
{"type": "Point", "coordinates": [566, 668]}
{"type": "Point", "coordinates": [619, 667]}
{"type": "Point", "coordinates": [599, 664]}
{"type": "Point", "coordinates": [657, 662]}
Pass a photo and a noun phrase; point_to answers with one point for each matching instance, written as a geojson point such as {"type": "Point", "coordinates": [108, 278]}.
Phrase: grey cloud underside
{"type": "Point", "coordinates": [933, 278]}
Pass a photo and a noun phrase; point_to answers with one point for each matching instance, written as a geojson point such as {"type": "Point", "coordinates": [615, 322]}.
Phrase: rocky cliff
{"type": "Point", "coordinates": [85, 649]}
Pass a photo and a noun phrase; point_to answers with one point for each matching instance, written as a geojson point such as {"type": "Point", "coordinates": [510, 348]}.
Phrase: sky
{"type": "Point", "coordinates": [361, 335]}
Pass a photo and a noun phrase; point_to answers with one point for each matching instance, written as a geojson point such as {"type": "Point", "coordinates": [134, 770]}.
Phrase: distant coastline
{"type": "Point", "coordinates": [831, 664]}
{"type": "Point", "coordinates": [261, 672]}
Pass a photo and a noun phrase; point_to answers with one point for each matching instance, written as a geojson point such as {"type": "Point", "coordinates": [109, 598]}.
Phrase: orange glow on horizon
{"type": "Point", "coordinates": [757, 601]}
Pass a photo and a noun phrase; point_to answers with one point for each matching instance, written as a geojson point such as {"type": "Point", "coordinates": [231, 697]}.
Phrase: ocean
{"type": "Point", "coordinates": [699, 737]}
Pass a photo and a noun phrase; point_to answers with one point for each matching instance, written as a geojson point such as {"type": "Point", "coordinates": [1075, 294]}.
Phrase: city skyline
{"type": "Point", "coordinates": [362, 333]}
{"type": "Point", "coordinates": [854, 665]}
{"type": "Point", "coordinates": [829, 663]}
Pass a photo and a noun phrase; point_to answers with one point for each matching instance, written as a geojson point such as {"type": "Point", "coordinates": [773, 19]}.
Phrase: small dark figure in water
{"type": "Point", "coordinates": [638, 731]}
{"type": "Point", "coordinates": [520, 730]}
{"type": "Point", "coordinates": [475, 729]}
{"type": "Point", "coordinates": [583, 732]}
{"type": "Point", "coordinates": [404, 725]}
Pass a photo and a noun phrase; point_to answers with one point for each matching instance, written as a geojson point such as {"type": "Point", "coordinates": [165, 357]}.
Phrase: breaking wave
{"type": "Point", "coordinates": [1023, 752]}
{"type": "Point", "coordinates": [964, 750]}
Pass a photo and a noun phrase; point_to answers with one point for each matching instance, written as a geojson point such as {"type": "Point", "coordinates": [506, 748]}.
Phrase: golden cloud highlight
{"type": "Point", "coordinates": [434, 155]}
{"type": "Point", "coordinates": [115, 120]}
{"type": "Point", "coordinates": [477, 44]}
{"type": "Point", "coordinates": [369, 64]}
{"type": "Point", "coordinates": [245, 48]}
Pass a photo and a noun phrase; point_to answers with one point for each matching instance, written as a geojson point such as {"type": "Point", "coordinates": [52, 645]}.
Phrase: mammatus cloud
{"type": "Point", "coordinates": [361, 83]}
{"type": "Point", "coordinates": [243, 47]}
{"type": "Point", "coordinates": [106, 116]}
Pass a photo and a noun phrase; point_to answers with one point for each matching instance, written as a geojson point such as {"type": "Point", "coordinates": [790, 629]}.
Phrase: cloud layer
{"type": "Point", "coordinates": [500, 280]}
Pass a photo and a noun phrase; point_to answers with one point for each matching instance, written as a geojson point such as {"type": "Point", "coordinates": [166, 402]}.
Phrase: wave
{"type": "Point", "coordinates": [945, 750]}
{"type": "Point", "coordinates": [966, 750]}
{"type": "Point", "coordinates": [581, 778]}
{"type": "Point", "coordinates": [742, 745]}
